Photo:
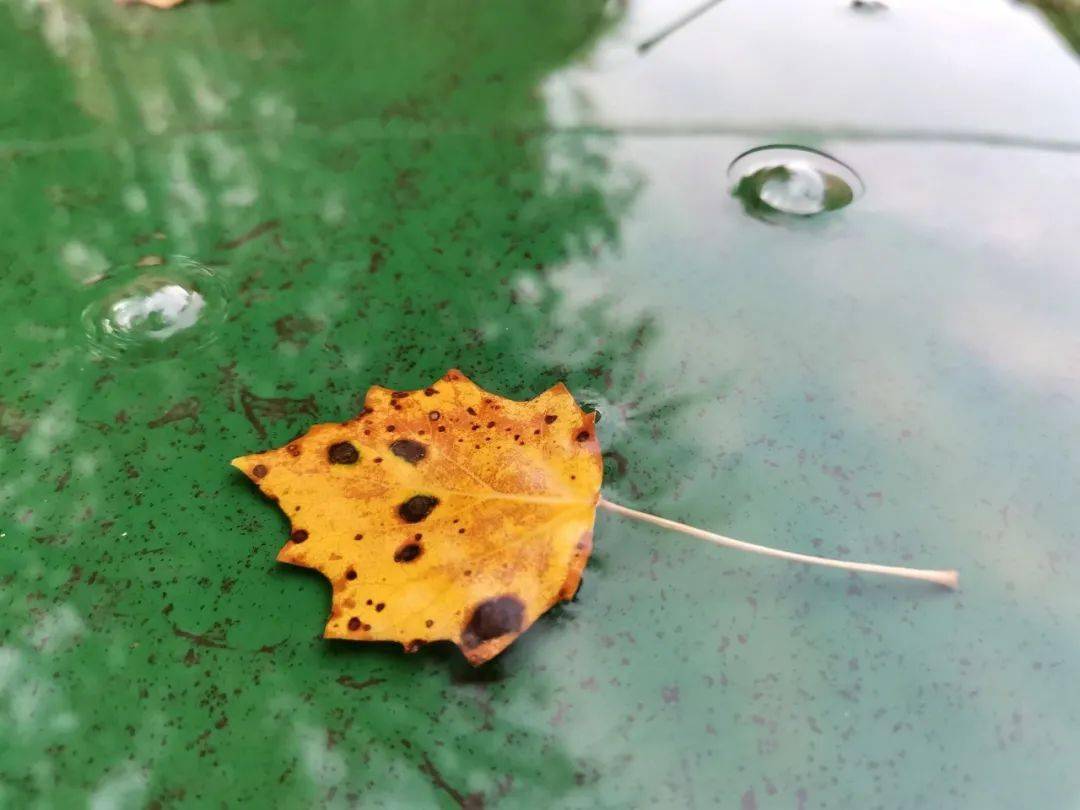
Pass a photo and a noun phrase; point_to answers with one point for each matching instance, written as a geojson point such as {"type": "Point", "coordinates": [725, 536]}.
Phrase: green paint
{"type": "Point", "coordinates": [510, 189]}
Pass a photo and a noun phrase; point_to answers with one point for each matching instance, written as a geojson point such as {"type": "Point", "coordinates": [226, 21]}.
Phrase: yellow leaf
{"type": "Point", "coordinates": [447, 513]}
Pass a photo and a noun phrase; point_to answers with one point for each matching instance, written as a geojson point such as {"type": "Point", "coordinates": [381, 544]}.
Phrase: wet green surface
{"type": "Point", "coordinates": [386, 191]}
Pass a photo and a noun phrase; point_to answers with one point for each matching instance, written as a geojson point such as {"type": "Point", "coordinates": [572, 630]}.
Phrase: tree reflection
{"type": "Point", "coordinates": [380, 188]}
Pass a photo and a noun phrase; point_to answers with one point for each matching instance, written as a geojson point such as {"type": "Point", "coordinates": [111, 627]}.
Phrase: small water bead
{"type": "Point", "coordinates": [155, 310]}
{"type": "Point", "coordinates": [792, 180]}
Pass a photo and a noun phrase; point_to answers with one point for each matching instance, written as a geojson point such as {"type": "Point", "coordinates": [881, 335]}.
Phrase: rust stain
{"type": "Point", "coordinates": [256, 409]}
{"type": "Point", "coordinates": [254, 233]}
{"type": "Point", "coordinates": [352, 683]}
{"type": "Point", "coordinates": [188, 409]}
{"type": "Point", "coordinates": [473, 801]}
{"type": "Point", "coordinates": [215, 638]}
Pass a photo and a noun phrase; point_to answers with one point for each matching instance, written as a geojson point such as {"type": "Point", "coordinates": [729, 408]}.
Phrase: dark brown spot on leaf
{"type": "Point", "coordinates": [434, 416]}
{"type": "Point", "coordinates": [358, 537]}
{"type": "Point", "coordinates": [343, 453]}
{"type": "Point", "coordinates": [294, 450]}
{"type": "Point", "coordinates": [493, 618]}
{"type": "Point", "coordinates": [550, 418]}
{"type": "Point", "coordinates": [390, 428]}
{"type": "Point", "coordinates": [379, 607]}
{"type": "Point", "coordinates": [408, 553]}
{"type": "Point", "coordinates": [417, 508]}
{"type": "Point", "coordinates": [409, 449]}
{"type": "Point", "coordinates": [471, 411]}
{"type": "Point", "coordinates": [259, 470]}
{"type": "Point", "coordinates": [350, 574]}
{"type": "Point", "coordinates": [354, 624]}
{"type": "Point", "coordinates": [428, 623]}
{"type": "Point", "coordinates": [430, 392]}
{"type": "Point", "coordinates": [399, 394]}
{"type": "Point", "coordinates": [299, 535]}
{"type": "Point", "coordinates": [583, 436]}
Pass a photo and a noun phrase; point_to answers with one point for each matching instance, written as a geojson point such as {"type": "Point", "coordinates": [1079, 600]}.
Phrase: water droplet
{"type": "Point", "coordinates": [792, 180]}
{"type": "Point", "coordinates": [155, 311]}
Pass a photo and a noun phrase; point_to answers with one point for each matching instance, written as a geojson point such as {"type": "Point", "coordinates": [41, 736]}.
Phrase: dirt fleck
{"type": "Point", "coordinates": [376, 262]}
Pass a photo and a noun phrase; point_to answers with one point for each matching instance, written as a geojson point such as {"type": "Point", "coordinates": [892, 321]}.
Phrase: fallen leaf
{"type": "Point", "coordinates": [446, 513]}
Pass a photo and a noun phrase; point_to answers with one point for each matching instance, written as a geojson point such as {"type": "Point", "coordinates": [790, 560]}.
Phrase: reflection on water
{"type": "Point", "coordinates": [1064, 15]}
{"type": "Point", "coordinates": [383, 249]}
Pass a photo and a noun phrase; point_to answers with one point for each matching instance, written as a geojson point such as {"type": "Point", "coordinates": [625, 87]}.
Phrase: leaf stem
{"type": "Point", "coordinates": [948, 579]}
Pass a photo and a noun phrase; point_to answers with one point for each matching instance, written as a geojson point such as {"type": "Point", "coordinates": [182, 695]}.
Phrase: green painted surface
{"type": "Point", "coordinates": [512, 189]}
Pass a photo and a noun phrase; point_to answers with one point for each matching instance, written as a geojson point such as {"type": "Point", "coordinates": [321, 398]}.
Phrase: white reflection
{"type": "Point", "coordinates": [124, 789]}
